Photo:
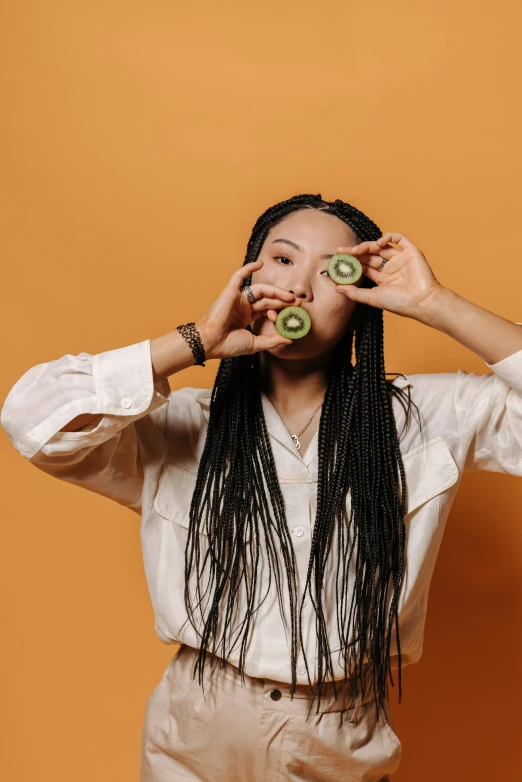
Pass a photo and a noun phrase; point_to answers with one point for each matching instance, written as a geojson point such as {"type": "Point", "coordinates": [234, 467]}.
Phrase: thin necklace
{"type": "Point", "coordinates": [295, 437]}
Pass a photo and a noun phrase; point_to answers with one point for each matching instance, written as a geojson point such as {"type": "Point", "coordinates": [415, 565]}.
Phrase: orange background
{"type": "Point", "coordinates": [140, 141]}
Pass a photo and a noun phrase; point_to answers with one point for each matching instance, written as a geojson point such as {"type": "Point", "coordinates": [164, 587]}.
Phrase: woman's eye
{"type": "Point", "coordinates": [278, 257]}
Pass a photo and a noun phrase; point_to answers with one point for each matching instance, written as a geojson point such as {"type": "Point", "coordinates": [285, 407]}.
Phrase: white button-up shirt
{"type": "Point", "coordinates": [144, 451]}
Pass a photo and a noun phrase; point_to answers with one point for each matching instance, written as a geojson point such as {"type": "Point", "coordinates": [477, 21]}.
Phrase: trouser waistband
{"type": "Point", "coordinates": [273, 695]}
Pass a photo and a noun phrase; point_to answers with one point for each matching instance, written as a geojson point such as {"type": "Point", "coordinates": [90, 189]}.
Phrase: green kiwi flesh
{"type": "Point", "coordinates": [293, 322]}
{"type": "Point", "coordinates": [344, 269]}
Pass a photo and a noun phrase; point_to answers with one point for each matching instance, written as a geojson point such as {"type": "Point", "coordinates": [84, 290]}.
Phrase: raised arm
{"type": "Point", "coordinates": [92, 420]}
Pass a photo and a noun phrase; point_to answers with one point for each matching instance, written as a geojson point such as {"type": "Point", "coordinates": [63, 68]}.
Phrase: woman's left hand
{"type": "Point", "coordinates": [405, 283]}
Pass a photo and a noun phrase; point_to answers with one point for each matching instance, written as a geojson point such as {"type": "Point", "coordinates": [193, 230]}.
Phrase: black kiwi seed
{"type": "Point", "coordinates": [293, 322]}
{"type": "Point", "coordinates": [344, 269]}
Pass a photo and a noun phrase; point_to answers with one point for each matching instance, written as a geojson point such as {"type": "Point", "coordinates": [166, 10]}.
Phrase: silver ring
{"type": "Point", "coordinates": [250, 296]}
{"type": "Point", "coordinates": [382, 264]}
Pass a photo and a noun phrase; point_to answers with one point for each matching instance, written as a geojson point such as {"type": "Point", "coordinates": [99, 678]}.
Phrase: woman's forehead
{"type": "Point", "coordinates": [311, 229]}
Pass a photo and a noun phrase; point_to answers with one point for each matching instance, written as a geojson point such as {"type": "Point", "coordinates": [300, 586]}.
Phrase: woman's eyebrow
{"type": "Point", "coordinates": [324, 257]}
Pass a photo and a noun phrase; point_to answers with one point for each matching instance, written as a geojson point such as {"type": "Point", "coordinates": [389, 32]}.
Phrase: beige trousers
{"type": "Point", "coordinates": [255, 732]}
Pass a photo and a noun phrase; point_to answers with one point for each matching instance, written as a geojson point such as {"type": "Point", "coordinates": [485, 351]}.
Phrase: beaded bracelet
{"type": "Point", "coordinates": [191, 334]}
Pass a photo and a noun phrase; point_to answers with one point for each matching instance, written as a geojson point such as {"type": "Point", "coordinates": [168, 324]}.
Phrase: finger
{"type": "Point", "coordinates": [396, 238]}
{"type": "Point", "coordinates": [374, 261]}
{"type": "Point", "coordinates": [261, 312]}
{"type": "Point", "coordinates": [262, 290]}
{"type": "Point", "coordinates": [362, 248]}
{"type": "Point", "coordinates": [358, 248]}
{"type": "Point", "coordinates": [363, 295]}
{"type": "Point", "coordinates": [268, 314]}
{"type": "Point", "coordinates": [266, 304]}
{"type": "Point", "coordinates": [369, 260]}
{"type": "Point", "coordinates": [375, 247]}
{"type": "Point", "coordinates": [242, 273]}
{"type": "Point", "coordinates": [373, 274]}
{"type": "Point", "coordinates": [388, 253]}
{"type": "Point", "coordinates": [268, 342]}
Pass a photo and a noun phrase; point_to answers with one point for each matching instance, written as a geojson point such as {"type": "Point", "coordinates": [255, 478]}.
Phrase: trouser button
{"type": "Point", "coordinates": [276, 695]}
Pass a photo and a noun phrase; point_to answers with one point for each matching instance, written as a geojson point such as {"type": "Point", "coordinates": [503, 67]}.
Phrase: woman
{"type": "Point", "coordinates": [291, 516]}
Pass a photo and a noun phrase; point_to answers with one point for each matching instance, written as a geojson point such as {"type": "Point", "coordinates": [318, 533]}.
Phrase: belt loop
{"type": "Point", "coordinates": [366, 689]}
{"type": "Point", "coordinates": [358, 704]}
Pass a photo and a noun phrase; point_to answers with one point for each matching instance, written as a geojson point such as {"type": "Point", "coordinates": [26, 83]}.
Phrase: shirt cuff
{"type": "Point", "coordinates": [122, 384]}
{"type": "Point", "coordinates": [123, 379]}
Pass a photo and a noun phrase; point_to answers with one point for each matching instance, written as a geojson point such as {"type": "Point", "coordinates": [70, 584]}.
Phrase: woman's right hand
{"type": "Point", "coordinates": [223, 325]}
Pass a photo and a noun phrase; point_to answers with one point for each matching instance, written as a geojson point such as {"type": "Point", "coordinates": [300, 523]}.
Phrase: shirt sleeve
{"type": "Point", "coordinates": [489, 416]}
{"type": "Point", "coordinates": [106, 455]}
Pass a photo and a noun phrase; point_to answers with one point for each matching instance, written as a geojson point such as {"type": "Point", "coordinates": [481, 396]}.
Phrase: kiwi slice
{"type": "Point", "coordinates": [344, 269]}
{"type": "Point", "coordinates": [293, 322]}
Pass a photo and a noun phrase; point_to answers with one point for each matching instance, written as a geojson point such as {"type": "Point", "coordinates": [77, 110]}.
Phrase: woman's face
{"type": "Point", "coordinates": [302, 268]}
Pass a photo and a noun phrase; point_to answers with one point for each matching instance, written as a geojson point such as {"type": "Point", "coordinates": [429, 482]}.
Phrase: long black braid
{"type": "Point", "coordinates": [237, 495]}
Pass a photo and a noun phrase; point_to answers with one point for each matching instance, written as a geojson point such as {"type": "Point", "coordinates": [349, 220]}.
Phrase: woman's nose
{"type": "Point", "coordinates": [299, 290]}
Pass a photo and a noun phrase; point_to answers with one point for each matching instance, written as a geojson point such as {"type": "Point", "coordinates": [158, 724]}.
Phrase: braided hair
{"type": "Point", "coordinates": [237, 495]}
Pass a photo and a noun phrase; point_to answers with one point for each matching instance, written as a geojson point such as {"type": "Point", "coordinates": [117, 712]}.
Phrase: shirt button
{"type": "Point", "coordinates": [300, 668]}
{"type": "Point", "coordinates": [276, 695]}
{"type": "Point", "coordinates": [298, 531]}
{"type": "Point", "coordinates": [126, 402]}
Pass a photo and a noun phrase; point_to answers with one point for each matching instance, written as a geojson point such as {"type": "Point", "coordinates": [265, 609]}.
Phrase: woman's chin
{"type": "Point", "coordinates": [298, 348]}
{"type": "Point", "coordinates": [284, 350]}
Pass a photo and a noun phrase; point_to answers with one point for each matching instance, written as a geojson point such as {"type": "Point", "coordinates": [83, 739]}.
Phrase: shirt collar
{"type": "Point", "coordinates": [278, 430]}
{"type": "Point", "coordinates": [274, 425]}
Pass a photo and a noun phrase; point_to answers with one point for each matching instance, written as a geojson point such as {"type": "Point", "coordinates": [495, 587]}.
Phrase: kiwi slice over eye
{"type": "Point", "coordinates": [293, 322]}
{"type": "Point", "coordinates": [344, 269]}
